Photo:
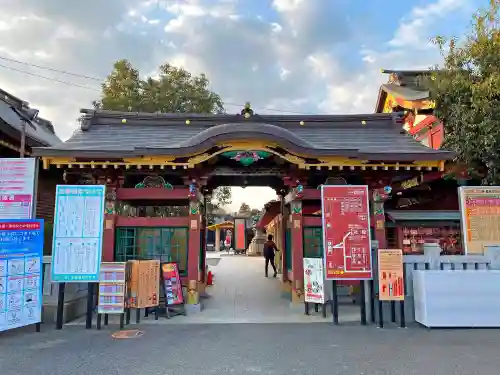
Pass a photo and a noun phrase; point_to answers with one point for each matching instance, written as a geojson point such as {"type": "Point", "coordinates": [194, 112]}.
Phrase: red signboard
{"type": "Point", "coordinates": [346, 232]}
{"type": "Point", "coordinates": [172, 284]}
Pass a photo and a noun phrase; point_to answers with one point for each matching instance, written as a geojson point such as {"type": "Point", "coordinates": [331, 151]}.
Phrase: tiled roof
{"type": "Point", "coordinates": [371, 136]}
{"type": "Point", "coordinates": [39, 133]}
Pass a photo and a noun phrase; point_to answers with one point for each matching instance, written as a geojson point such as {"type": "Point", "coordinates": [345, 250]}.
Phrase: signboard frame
{"type": "Point", "coordinates": [103, 283]}
{"type": "Point", "coordinates": [462, 196]}
{"type": "Point", "coordinates": [60, 277]}
{"type": "Point", "coordinates": [365, 275]}
{"type": "Point", "coordinates": [399, 274]}
{"type": "Point", "coordinates": [35, 252]}
{"type": "Point", "coordinates": [32, 166]}
{"type": "Point", "coordinates": [321, 278]}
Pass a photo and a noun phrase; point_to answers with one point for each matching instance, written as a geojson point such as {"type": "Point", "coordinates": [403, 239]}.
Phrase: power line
{"type": "Point", "coordinates": [48, 78]}
{"type": "Point", "coordinates": [101, 80]}
{"type": "Point", "coordinates": [51, 69]}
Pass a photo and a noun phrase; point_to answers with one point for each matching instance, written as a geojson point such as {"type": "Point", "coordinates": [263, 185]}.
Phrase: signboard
{"type": "Point", "coordinates": [21, 258]}
{"type": "Point", "coordinates": [346, 232]}
{"type": "Point", "coordinates": [17, 187]}
{"type": "Point", "coordinates": [78, 230]}
{"type": "Point", "coordinates": [314, 285]}
{"type": "Point", "coordinates": [391, 283]}
{"type": "Point", "coordinates": [240, 240]}
{"type": "Point", "coordinates": [480, 209]}
{"type": "Point", "coordinates": [172, 284]}
{"type": "Point", "coordinates": [143, 283]}
{"type": "Point", "coordinates": [112, 288]}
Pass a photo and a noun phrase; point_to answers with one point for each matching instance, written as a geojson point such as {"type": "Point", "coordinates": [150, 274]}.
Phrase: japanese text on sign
{"type": "Point", "coordinates": [346, 232]}
{"type": "Point", "coordinates": [17, 185]}
{"type": "Point", "coordinates": [314, 285]}
{"type": "Point", "coordinates": [112, 288]}
{"type": "Point", "coordinates": [390, 275]}
{"type": "Point", "coordinates": [78, 230]}
{"type": "Point", "coordinates": [480, 208]}
{"type": "Point", "coordinates": [21, 252]}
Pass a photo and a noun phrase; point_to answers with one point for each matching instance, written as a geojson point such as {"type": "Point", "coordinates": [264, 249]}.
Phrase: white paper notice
{"type": "Point", "coordinates": [17, 185]}
{"type": "Point", "coordinates": [78, 230]}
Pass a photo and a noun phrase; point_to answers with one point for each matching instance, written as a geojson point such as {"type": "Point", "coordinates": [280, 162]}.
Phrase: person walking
{"type": "Point", "coordinates": [269, 249]}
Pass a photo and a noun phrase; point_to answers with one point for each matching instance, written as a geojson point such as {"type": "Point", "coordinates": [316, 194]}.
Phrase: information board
{"type": "Point", "coordinates": [480, 209]}
{"type": "Point", "coordinates": [112, 288]}
{"type": "Point", "coordinates": [314, 280]}
{"type": "Point", "coordinates": [21, 257]}
{"type": "Point", "coordinates": [143, 283]}
{"type": "Point", "coordinates": [78, 230]}
{"type": "Point", "coordinates": [391, 283]}
{"type": "Point", "coordinates": [172, 284]}
{"type": "Point", "coordinates": [17, 187]}
{"type": "Point", "coordinates": [346, 232]}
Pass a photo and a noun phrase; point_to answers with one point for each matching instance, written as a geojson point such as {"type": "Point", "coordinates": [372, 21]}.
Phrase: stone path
{"type": "Point", "coordinates": [242, 294]}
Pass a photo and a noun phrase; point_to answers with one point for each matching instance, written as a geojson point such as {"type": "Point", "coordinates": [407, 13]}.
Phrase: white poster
{"type": "Point", "coordinates": [314, 282]}
{"type": "Point", "coordinates": [17, 187]}
{"type": "Point", "coordinates": [78, 231]}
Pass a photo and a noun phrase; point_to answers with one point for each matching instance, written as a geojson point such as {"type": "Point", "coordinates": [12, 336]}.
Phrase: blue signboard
{"type": "Point", "coordinates": [78, 231]}
{"type": "Point", "coordinates": [21, 267]}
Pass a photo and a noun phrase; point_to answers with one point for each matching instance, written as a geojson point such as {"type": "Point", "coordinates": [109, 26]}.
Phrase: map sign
{"type": "Point", "coordinates": [78, 230]}
{"type": "Point", "coordinates": [21, 257]}
{"type": "Point", "coordinates": [480, 208]}
{"type": "Point", "coordinates": [314, 284]}
{"type": "Point", "coordinates": [17, 186]}
{"type": "Point", "coordinates": [346, 232]}
{"type": "Point", "coordinates": [112, 287]}
{"type": "Point", "coordinates": [391, 283]}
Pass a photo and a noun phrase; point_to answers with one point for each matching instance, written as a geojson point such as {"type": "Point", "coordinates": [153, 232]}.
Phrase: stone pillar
{"type": "Point", "coordinates": [217, 239]}
{"type": "Point", "coordinates": [297, 252]}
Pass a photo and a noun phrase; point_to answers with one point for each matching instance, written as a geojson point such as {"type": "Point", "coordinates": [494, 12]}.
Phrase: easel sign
{"type": "Point", "coordinates": [314, 285]}
{"type": "Point", "coordinates": [112, 288]}
{"type": "Point", "coordinates": [172, 288]}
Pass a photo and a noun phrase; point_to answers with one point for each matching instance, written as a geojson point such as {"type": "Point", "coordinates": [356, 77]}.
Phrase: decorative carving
{"type": "Point", "coordinates": [246, 157]}
{"type": "Point", "coordinates": [294, 159]}
{"type": "Point", "coordinates": [194, 208]}
{"type": "Point", "coordinates": [296, 207]}
{"type": "Point", "coordinates": [198, 158]}
{"type": "Point", "coordinates": [156, 182]}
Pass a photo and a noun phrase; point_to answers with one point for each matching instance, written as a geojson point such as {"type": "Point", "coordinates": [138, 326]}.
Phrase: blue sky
{"type": "Point", "coordinates": [284, 56]}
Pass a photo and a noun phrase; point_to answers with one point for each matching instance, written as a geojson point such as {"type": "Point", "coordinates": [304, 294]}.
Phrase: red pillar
{"type": "Point", "coordinates": [108, 237]}
{"type": "Point", "coordinates": [194, 240]}
{"type": "Point", "coordinates": [297, 251]}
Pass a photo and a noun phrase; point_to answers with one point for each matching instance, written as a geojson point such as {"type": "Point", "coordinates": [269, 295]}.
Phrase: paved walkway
{"type": "Point", "coordinates": [242, 294]}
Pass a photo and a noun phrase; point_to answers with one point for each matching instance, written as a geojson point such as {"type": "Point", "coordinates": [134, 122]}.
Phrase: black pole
{"type": "Point", "coordinates": [99, 318]}
{"type": "Point", "coordinates": [393, 311]}
{"type": "Point", "coordinates": [38, 326]}
{"type": "Point", "coordinates": [335, 303]}
{"type": "Point", "coordinates": [372, 300]}
{"type": "Point", "coordinates": [122, 321]}
{"type": "Point", "coordinates": [402, 322]}
{"type": "Point", "coordinates": [60, 305]}
{"type": "Point", "coordinates": [380, 314]}
{"type": "Point", "coordinates": [137, 316]}
{"type": "Point", "coordinates": [90, 305]}
{"type": "Point", "coordinates": [157, 312]}
{"type": "Point", "coordinates": [306, 308]}
{"type": "Point", "coordinates": [362, 296]}
{"type": "Point", "coordinates": [127, 316]}
{"type": "Point", "coordinates": [106, 319]}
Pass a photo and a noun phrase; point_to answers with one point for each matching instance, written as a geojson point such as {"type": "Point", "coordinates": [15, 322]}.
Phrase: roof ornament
{"type": "Point", "coordinates": [247, 112]}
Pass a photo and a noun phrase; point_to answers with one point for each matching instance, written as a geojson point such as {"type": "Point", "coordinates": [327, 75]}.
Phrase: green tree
{"type": "Point", "coordinates": [466, 90]}
{"type": "Point", "coordinates": [221, 197]}
{"type": "Point", "coordinates": [174, 90]}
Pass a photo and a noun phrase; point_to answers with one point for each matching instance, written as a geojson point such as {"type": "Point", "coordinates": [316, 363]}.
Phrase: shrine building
{"type": "Point", "coordinates": [160, 169]}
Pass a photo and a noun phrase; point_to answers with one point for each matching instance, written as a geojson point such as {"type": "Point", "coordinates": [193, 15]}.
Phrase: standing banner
{"type": "Point", "coordinates": [78, 231]}
{"type": "Point", "coordinates": [314, 284]}
{"type": "Point", "coordinates": [17, 187]}
{"type": "Point", "coordinates": [346, 232]}
{"type": "Point", "coordinates": [112, 288]}
{"type": "Point", "coordinates": [480, 209]}
{"type": "Point", "coordinates": [240, 238]}
{"type": "Point", "coordinates": [391, 283]}
{"type": "Point", "coordinates": [21, 262]}
{"type": "Point", "coordinates": [172, 284]}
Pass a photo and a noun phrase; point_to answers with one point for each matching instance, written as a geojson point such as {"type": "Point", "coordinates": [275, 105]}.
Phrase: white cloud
{"type": "Point", "coordinates": [280, 60]}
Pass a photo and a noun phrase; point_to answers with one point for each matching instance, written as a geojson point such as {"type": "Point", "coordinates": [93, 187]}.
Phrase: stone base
{"type": "Point", "coordinates": [193, 309]}
{"type": "Point", "coordinates": [71, 310]}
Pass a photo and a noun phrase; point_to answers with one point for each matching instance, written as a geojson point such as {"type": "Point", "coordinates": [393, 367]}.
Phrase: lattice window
{"type": "Point", "coordinates": [313, 242]}
{"type": "Point", "coordinates": [167, 244]}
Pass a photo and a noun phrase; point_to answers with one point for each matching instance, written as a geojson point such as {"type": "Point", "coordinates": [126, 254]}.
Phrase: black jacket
{"type": "Point", "coordinates": [269, 249]}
